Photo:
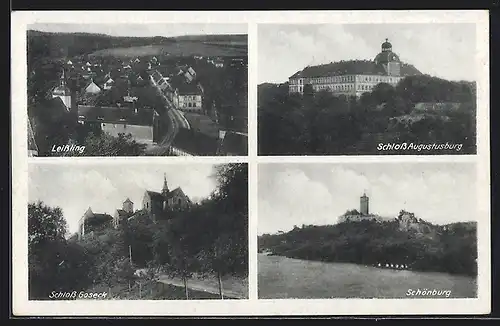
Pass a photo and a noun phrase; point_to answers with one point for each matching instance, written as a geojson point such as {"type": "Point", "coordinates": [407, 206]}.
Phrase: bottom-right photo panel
{"type": "Point", "coordinates": [367, 230]}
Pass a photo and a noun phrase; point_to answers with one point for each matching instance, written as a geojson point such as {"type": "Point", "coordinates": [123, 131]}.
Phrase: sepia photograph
{"type": "Point", "coordinates": [137, 89]}
{"type": "Point", "coordinates": [367, 231]}
{"type": "Point", "coordinates": [367, 89]}
{"type": "Point", "coordinates": [138, 232]}
{"type": "Point", "coordinates": [250, 163]}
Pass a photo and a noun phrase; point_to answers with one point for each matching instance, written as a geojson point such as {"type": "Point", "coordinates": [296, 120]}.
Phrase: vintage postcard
{"type": "Point", "coordinates": [301, 163]}
{"type": "Point", "coordinates": [137, 89]}
{"type": "Point", "coordinates": [150, 232]}
{"type": "Point", "coordinates": [367, 89]}
{"type": "Point", "coordinates": [368, 230]}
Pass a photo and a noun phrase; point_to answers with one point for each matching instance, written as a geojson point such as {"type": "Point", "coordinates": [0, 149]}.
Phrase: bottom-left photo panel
{"type": "Point", "coordinates": [142, 231]}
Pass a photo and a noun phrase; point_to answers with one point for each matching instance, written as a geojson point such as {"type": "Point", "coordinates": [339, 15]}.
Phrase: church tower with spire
{"type": "Point", "coordinates": [63, 92]}
{"type": "Point", "coordinates": [164, 192]}
{"type": "Point", "coordinates": [165, 189]}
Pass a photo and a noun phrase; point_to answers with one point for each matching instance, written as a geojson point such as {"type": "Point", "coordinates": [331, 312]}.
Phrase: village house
{"type": "Point", "coordinates": [232, 143]}
{"type": "Point", "coordinates": [108, 84]}
{"type": "Point", "coordinates": [92, 88]}
{"type": "Point", "coordinates": [143, 124]}
{"type": "Point", "coordinates": [188, 97]}
{"type": "Point", "coordinates": [190, 143]}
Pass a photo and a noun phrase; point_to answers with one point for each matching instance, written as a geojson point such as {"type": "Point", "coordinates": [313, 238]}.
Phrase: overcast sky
{"type": "Point", "coordinates": [443, 50]}
{"type": "Point", "coordinates": [296, 194]}
{"type": "Point", "coordinates": [104, 187]}
{"type": "Point", "coordinates": [144, 29]}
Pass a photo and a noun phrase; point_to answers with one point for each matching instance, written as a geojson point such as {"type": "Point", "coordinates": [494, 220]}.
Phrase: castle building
{"type": "Point", "coordinates": [123, 214]}
{"type": "Point", "coordinates": [363, 214]}
{"type": "Point", "coordinates": [91, 222]}
{"type": "Point", "coordinates": [363, 204]}
{"type": "Point", "coordinates": [155, 205]}
{"type": "Point", "coordinates": [355, 77]}
{"type": "Point", "coordinates": [160, 203]}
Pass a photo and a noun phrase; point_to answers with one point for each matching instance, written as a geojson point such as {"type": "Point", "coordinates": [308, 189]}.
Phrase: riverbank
{"type": "Point", "coordinates": [280, 277]}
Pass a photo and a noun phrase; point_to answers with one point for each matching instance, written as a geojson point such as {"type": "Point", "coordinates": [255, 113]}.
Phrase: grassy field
{"type": "Point", "coordinates": [281, 277]}
{"type": "Point", "coordinates": [184, 48]}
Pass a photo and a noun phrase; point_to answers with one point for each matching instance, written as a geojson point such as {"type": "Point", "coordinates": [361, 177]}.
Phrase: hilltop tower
{"type": "Point", "coordinates": [363, 204]}
{"type": "Point", "coordinates": [128, 206]}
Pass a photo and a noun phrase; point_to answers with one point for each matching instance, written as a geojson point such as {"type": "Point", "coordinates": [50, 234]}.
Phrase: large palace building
{"type": "Point", "coordinates": [355, 77]}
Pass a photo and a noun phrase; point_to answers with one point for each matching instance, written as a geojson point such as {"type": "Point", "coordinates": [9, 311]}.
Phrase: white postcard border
{"type": "Point", "coordinates": [252, 306]}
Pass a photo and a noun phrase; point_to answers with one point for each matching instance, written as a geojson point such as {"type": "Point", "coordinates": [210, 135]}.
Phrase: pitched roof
{"type": "Point", "coordinates": [154, 195]}
{"type": "Point", "coordinates": [61, 90]}
{"type": "Point", "coordinates": [92, 87]}
{"type": "Point", "coordinates": [31, 138]}
{"type": "Point", "coordinates": [143, 117]}
{"type": "Point", "coordinates": [122, 213]}
{"type": "Point", "coordinates": [234, 143]}
{"type": "Point", "coordinates": [51, 110]}
{"type": "Point", "coordinates": [188, 89]}
{"type": "Point", "coordinates": [195, 143]}
{"type": "Point", "coordinates": [351, 67]}
{"type": "Point", "coordinates": [176, 191]}
{"type": "Point", "coordinates": [98, 218]}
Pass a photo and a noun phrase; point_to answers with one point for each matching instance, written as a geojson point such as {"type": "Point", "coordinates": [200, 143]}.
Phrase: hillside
{"type": "Point", "coordinates": [327, 123]}
{"type": "Point", "coordinates": [45, 44]}
{"type": "Point", "coordinates": [429, 248]}
{"type": "Point", "coordinates": [176, 49]}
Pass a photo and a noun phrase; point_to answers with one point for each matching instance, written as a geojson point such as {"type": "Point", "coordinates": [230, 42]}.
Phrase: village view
{"type": "Point", "coordinates": [100, 95]}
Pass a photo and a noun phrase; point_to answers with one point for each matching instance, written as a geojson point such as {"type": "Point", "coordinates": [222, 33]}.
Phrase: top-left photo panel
{"type": "Point", "coordinates": [137, 89]}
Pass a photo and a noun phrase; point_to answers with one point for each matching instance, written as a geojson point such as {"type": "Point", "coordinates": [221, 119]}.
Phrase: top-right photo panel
{"type": "Point", "coordinates": [367, 89]}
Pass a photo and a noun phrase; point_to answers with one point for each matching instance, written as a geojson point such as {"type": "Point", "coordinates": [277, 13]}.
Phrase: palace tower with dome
{"type": "Point", "coordinates": [354, 77]}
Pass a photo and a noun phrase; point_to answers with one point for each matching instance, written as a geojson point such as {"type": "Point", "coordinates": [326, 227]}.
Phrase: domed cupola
{"type": "Point", "coordinates": [386, 55]}
{"type": "Point", "coordinates": [386, 46]}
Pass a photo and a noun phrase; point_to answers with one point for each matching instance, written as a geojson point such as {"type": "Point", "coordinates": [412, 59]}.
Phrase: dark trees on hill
{"type": "Point", "coordinates": [54, 264]}
{"type": "Point", "coordinates": [371, 242]}
{"type": "Point", "coordinates": [208, 239]}
{"type": "Point", "coordinates": [320, 123]}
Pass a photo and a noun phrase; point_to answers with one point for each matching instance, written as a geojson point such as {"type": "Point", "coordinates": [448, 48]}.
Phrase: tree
{"type": "Point", "coordinates": [54, 264]}
{"type": "Point", "coordinates": [107, 145]}
{"type": "Point", "coordinates": [45, 224]}
{"type": "Point", "coordinates": [182, 260]}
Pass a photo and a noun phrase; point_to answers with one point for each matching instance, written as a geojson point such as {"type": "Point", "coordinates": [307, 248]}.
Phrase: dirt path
{"type": "Point", "coordinates": [205, 285]}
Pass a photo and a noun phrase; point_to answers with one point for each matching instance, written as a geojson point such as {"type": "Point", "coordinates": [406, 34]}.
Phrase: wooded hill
{"type": "Point", "coordinates": [450, 249]}
{"type": "Point", "coordinates": [56, 45]}
{"type": "Point", "coordinates": [317, 123]}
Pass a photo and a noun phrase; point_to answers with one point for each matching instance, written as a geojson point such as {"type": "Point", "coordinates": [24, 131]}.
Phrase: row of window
{"type": "Point", "coordinates": [192, 97]}
{"type": "Point", "coordinates": [191, 105]}
{"type": "Point", "coordinates": [345, 79]}
{"type": "Point", "coordinates": [345, 87]}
